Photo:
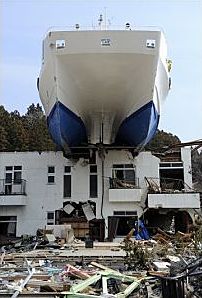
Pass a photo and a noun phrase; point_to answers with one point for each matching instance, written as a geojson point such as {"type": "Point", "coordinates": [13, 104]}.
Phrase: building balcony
{"type": "Point", "coordinates": [171, 193]}
{"type": "Point", "coordinates": [13, 192]}
{"type": "Point", "coordinates": [124, 190]}
{"type": "Point", "coordinates": [176, 200]}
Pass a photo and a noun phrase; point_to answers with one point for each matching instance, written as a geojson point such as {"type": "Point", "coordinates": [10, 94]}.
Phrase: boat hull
{"type": "Point", "coordinates": [66, 127]}
{"type": "Point", "coordinates": [140, 127]}
{"type": "Point", "coordinates": [103, 94]}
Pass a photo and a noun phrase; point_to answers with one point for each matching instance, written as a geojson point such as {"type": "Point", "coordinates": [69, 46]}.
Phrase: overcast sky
{"type": "Point", "coordinates": [25, 22]}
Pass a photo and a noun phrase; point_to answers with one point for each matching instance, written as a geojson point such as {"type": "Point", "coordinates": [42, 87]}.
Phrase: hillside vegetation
{"type": "Point", "coordinates": [24, 133]}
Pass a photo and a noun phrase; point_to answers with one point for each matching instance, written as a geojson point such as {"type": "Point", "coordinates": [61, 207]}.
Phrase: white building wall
{"type": "Point", "coordinates": [115, 157]}
{"type": "Point", "coordinates": [43, 197]}
{"type": "Point", "coordinates": [145, 164]}
{"type": "Point", "coordinates": [80, 181]}
{"type": "Point", "coordinates": [186, 158]}
{"type": "Point", "coordinates": [174, 200]}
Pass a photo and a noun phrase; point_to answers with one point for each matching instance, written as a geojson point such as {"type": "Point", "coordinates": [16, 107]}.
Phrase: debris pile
{"type": "Point", "coordinates": [174, 260]}
{"type": "Point", "coordinates": [167, 265]}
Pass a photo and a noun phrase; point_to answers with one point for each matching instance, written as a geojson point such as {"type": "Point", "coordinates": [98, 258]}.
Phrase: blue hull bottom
{"type": "Point", "coordinates": [140, 127]}
{"type": "Point", "coordinates": [65, 127]}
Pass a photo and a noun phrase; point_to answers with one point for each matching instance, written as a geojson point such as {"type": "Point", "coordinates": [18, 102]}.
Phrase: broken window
{"type": "Point", "coordinates": [121, 223]}
{"type": "Point", "coordinates": [124, 226]}
{"type": "Point", "coordinates": [123, 175]}
{"type": "Point", "coordinates": [171, 176]}
{"type": "Point", "coordinates": [93, 181]}
{"type": "Point", "coordinates": [67, 182]}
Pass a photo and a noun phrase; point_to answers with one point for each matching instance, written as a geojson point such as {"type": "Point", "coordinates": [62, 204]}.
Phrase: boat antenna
{"type": "Point", "coordinates": [100, 20]}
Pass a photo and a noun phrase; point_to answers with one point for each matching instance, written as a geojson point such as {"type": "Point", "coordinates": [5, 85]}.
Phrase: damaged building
{"type": "Point", "coordinates": [100, 196]}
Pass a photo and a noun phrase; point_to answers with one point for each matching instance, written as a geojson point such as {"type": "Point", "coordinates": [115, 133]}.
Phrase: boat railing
{"type": "Point", "coordinates": [126, 27]}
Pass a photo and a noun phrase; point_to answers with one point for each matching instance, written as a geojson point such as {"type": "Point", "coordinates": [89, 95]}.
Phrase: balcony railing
{"type": "Point", "coordinates": [167, 185]}
{"type": "Point", "coordinates": [115, 183]}
{"type": "Point", "coordinates": [12, 187]}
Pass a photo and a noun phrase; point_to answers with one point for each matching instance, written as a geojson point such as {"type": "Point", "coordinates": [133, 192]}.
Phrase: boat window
{"type": "Point", "coordinates": [151, 43]}
{"type": "Point", "coordinates": [106, 42]}
{"type": "Point", "coordinates": [60, 44]}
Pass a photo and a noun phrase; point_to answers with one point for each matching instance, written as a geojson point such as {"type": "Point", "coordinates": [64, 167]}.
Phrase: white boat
{"type": "Point", "coordinates": [103, 86]}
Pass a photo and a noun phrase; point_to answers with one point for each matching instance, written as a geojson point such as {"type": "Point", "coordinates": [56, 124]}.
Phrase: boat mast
{"type": "Point", "coordinates": [102, 22]}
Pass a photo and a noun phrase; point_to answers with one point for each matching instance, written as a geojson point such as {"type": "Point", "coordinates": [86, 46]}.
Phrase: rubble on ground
{"type": "Point", "coordinates": [46, 265]}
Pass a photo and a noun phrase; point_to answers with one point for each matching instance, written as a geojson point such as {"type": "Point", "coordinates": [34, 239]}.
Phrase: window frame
{"type": "Point", "coordinates": [50, 221]}
{"type": "Point", "coordinates": [93, 193]}
{"type": "Point", "coordinates": [67, 173]}
{"type": "Point", "coordinates": [124, 168]}
{"type": "Point", "coordinates": [51, 174]}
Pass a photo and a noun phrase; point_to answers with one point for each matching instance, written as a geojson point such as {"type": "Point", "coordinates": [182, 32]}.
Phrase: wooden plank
{"type": "Point", "coordinates": [76, 272]}
{"type": "Point", "coordinates": [100, 266]}
{"type": "Point", "coordinates": [104, 285]}
{"type": "Point", "coordinates": [23, 276]}
{"type": "Point", "coordinates": [128, 290]}
{"type": "Point", "coordinates": [79, 295]}
{"type": "Point", "coordinates": [81, 286]}
{"type": "Point", "coordinates": [23, 284]}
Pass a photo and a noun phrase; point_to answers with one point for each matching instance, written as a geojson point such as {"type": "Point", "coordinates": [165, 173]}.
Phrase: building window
{"type": "Point", "coordinates": [51, 174]}
{"type": "Point", "coordinates": [51, 170]}
{"type": "Point", "coordinates": [67, 182]}
{"type": "Point", "coordinates": [125, 213]}
{"type": "Point", "coordinates": [13, 175]}
{"type": "Point", "coordinates": [8, 226]}
{"type": "Point", "coordinates": [67, 169]}
{"type": "Point", "coordinates": [50, 218]}
{"type": "Point", "coordinates": [121, 223]}
{"type": "Point", "coordinates": [171, 176]}
{"type": "Point", "coordinates": [171, 165]}
{"type": "Point", "coordinates": [124, 173]}
{"type": "Point", "coordinates": [93, 181]}
{"type": "Point", "coordinates": [51, 179]}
